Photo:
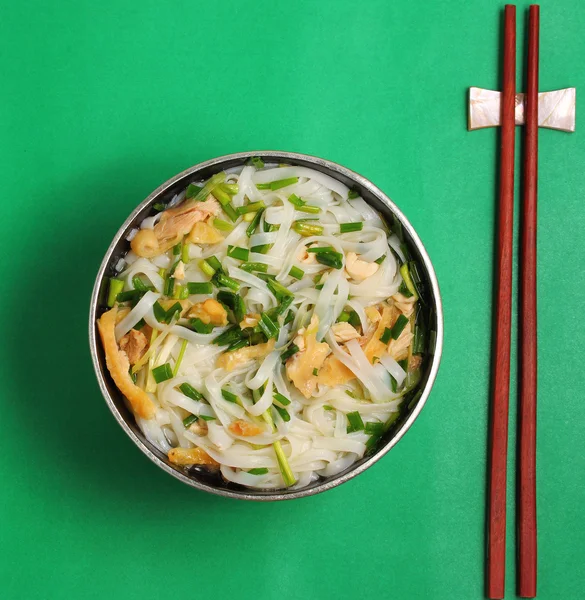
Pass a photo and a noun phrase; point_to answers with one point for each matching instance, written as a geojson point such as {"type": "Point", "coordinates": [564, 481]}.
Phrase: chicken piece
{"type": "Point", "coordinates": [374, 347]}
{"type": "Point", "coordinates": [118, 366]}
{"type": "Point", "coordinates": [173, 225]}
{"type": "Point", "coordinates": [231, 360]}
{"type": "Point", "coordinates": [134, 344]}
{"type": "Point", "coordinates": [179, 272]}
{"type": "Point", "coordinates": [358, 269]}
{"type": "Point", "coordinates": [343, 332]}
{"type": "Point", "coordinates": [209, 311]}
{"type": "Point", "coordinates": [250, 320]}
{"type": "Point", "coordinates": [306, 258]}
{"type": "Point", "coordinates": [403, 304]}
{"type": "Point", "coordinates": [204, 233]}
{"type": "Point", "coordinates": [300, 367]}
{"type": "Point", "coordinates": [398, 349]}
{"type": "Point", "coordinates": [191, 456]}
{"type": "Point", "coordinates": [334, 372]}
{"type": "Point", "coordinates": [244, 428]}
{"type": "Point", "coordinates": [373, 314]}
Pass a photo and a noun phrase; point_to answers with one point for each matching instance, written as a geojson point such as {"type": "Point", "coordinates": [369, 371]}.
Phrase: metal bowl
{"type": "Point", "coordinates": [411, 406]}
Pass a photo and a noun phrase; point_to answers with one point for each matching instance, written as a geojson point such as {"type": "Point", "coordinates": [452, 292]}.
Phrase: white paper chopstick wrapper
{"type": "Point", "coordinates": [556, 110]}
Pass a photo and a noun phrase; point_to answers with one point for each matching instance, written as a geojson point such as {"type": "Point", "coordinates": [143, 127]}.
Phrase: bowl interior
{"type": "Point", "coordinates": [410, 407]}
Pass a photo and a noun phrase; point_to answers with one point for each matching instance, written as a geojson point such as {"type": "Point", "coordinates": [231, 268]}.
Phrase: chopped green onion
{"type": "Point", "coordinates": [308, 208]}
{"type": "Point", "coordinates": [196, 287]}
{"type": "Point", "coordinates": [214, 263]}
{"type": "Point", "coordinates": [294, 199]}
{"type": "Point", "coordinates": [188, 421]}
{"type": "Point", "coordinates": [352, 194]}
{"type": "Point", "coordinates": [254, 266]}
{"type": "Point", "coordinates": [268, 326]}
{"type": "Point", "coordinates": [290, 351]}
{"type": "Point", "coordinates": [331, 259]}
{"type": "Point", "coordinates": [159, 206]}
{"type": "Point", "coordinates": [185, 252]}
{"type": "Point", "coordinates": [209, 187]}
{"type": "Point", "coordinates": [354, 319]}
{"type": "Point", "coordinates": [233, 334]}
{"type": "Point", "coordinates": [159, 312]}
{"type": "Point", "coordinates": [189, 391]}
{"type": "Point", "coordinates": [263, 186]}
{"type": "Point", "coordinates": [296, 273]}
{"type": "Point", "coordinates": [230, 188]}
{"type": "Point", "coordinates": [355, 421]}
{"type": "Point", "coordinates": [327, 407]}
{"type": "Point", "coordinates": [399, 326]}
{"type": "Point", "coordinates": [239, 253]}
{"type": "Point", "coordinates": [254, 224]}
{"type": "Point", "coordinates": [162, 272]}
{"type": "Point", "coordinates": [261, 249]}
{"type": "Point", "coordinates": [318, 277]}
{"type": "Point", "coordinates": [307, 229]}
{"type": "Point", "coordinates": [140, 285]}
{"type": "Point", "coordinates": [180, 358]}
{"type": "Point", "coordinates": [199, 326]}
{"type": "Point", "coordinates": [281, 183]}
{"type": "Point", "coordinates": [192, 190]}
{"type": "Point", "coordinates": [281, 399]}
{"type": "Point", "coordinates": [230, 211]}
{"type": "Point", "coordinates": [169, 286]}
{"type": "Point", "coordinates": [282, 412]}
{"type": "Point", "coordinates": [222, 225]}
{"type": "Point", "coordinates": [381, 259]}
{"type": "Point", "coordinates": [351, 394]}
{"type": "Point", "coordinates": [318, 249]}
{"type": "Point", "coordinates": [257, 162]}
{"type": "Point", "coordinates": [386, 336]}
{"type": "Point", "coordinates": [207, 418]}
{"type": "Point", "coordinates": [393, 384]}
{"type": "Point", "coordinates": [375, 428]}
{"type": "Point", "coordinates": [177, 248]}
{"type": "Point", "coordinates": [224, 281]}
{"type": "Point", "coordinates": [348, 227]}
{"type": "Point", "coordinates": [258, 471]}
{"type": "Point", "coordinates": [249, 217]}
{"type": "Point", "coordinates": [343, 317]}
{"type": "Point", "coordinates": [221, 195]}
{"type": "Point", "coordinates": [290, 317]}
{"type": "Point", "coordinates": [229, 396]}
{"type": "Point", "coordinates": [237, 345]}
{"type": "Point", "coordinates": [234, 302]}
{"type": "Point", "coordinates": [404, 271]}
{"type": "Point", "coordinates": [372, 441]}
{"type": "Point", "coordinates": [116, 287]}
{"type": "Point", "coordinates": [279, 290]}
{"type": "Point", "coordinates": [162, 373]}
{"type": "Point", "coordinates": [252, 207]}
{"type": "Point", "coordinates": [285, 470]}
{"type": "Point", "coordinates": [175, 309]}
{"type": "Point", "coordinates": [139, 325]}
{"type": "Point", "coordinates": [315, 371]}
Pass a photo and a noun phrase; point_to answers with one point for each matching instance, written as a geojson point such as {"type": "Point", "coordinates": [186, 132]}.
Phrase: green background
{"type": "Point", "coordinates": [100, 103]}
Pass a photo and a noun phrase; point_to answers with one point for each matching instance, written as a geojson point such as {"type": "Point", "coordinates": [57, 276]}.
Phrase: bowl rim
{"type": "Point", "coordinates": [327, 484]}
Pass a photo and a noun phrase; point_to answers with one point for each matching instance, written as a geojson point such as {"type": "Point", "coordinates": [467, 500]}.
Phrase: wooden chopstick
{"type": "Point", "coordinates": [498, 446]}
{"type": "Point", "coordinates": [526, 513]}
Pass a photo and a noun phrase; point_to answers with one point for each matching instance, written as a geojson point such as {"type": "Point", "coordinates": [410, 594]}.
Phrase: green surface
{"type": "Point", "coordinates": [100, 103]}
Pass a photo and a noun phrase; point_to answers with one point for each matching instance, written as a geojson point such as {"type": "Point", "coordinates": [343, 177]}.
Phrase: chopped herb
{"type": "Point", "coordinates": [214, 263]}
{"type": "Point", "coordinates": [209, 187]}
{"type": "Point", "coordinates": [252, 207]}
{"type": "Point", "coordinates": [158, 206]}
{"type": "Point", "coordinates": [351, 394]}
{"type": "Point", "coordinates": [354, 319]}
{"type": "Point", "coordinates": [290, 351]}
{"type": "Point", "coordinates": [139, 325]}
{"type": "Point", "coordinates": [331, 259]}
{"type": "Point", "coordinates": [282, 412]}
{"type": "Point", "coordinates": [140, 285]}
{"type": "Point", "coordinates": [372, 441]}
{"type": "Point", "coordinates": [221, 195]}
{"type": "Point", "coordinates": [279, 290]}
{"type": "Point", "coordinates": [254, 266]}
{"type": "Point", "coordinates": [308, 208]}
{"type": "Point", "coordinates": [116, 287]}
{"type": "Point", "coordinates": [407, 280]}
{"type": "Point", "coordinates": [199, 326]}
{"type": "Point", "coordinates": [188, 421]}
{"type": "Point", "coordinates": [239, 253]}
{"type": "Point", "coordinates": [315, 371]}
{"type": "Point", "coordinates": [162, 373]}
{"type": "Point", "coordinates": [162, 272]}
{"type": "Point", "coordinates": [375, 428]}
{"type": "Point", "coordinates": [174, 310]}
{"type": "Point", "coordinates": [207, 418]}
{"type": "Point", "coordinates": [233, 334]}
{"type": "Point", "coordinates": [268, 326]}
{"type": "Point", "coordinates": [261, 249]}
{"type": "Point", "coordinates": [281, 399]}
{"type": "Point", "coordinates": [399, 326]}
{"type": "Point", "coordinates": [229, 396]}
{"type": "Point", "coordinates": [317, 249]}
{"type": "Point", "coordinates": [381, 259]}
{"type": "Point", "coordinates": [282, 183]}
{"type": "Point", "coordinates": [258, 471]}
{"type": "Point", "coordinates": [224, 281]}
{"type": "Point", "coordinates": [230, 211]}
{"type": "Point", "coordinates": [296, 273]}
{"type": "Point", "coordinates": [254, 224]}
{"type": "Point", "coordinates": [196, 287]}
{"type": "Point", "coordinates": [386, 336]}
{"type": "Point", "coordinates": [327, 407]}
{"type": "Point", "coordinates": [169, 287]}
{"type": "Point", "coordinates": [192, 190]}
{"type": "Point", "coordinates": [237, 345]}
{"type": "Point", "coordinates": [355, 421]}
{"type": "Point", "coordinates": [343, 317]}
{"type": "Point", "coordinates": [349, 227]}
{"type": "Point", "coordinates": [307, 229]}
{"type": "Point", "coordinates": [257, 162]}
{"type": "Point", "coordinates": [189, 391]}
{"type": "Point", "coordinates": [159, 312]}
{"type": "Point", "coordinates": [295, 200]}
{"type": "Point", "coordinates": [263, 186]}
{"type": "Point", "coordinates": [177, 248]}
{"type": "Point", "coordinates": [352, 195]}
{"type": "Point", "coordinates": [180, 358]}
{"type": "Point", "coordinates": [230, 188]}
{"type": "Point", "coordinates": [222, 225]}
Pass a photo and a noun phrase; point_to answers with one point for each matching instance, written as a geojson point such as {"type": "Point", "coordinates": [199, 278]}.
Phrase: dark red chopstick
{"type": "Point", "coordinates": [526, 513]}
{"type": "Point", "coordinates": [498, 446]}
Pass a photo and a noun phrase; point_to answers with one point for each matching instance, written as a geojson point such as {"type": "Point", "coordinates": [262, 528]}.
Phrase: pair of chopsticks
{"type": "Point", "coordinates": [526, 507]}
